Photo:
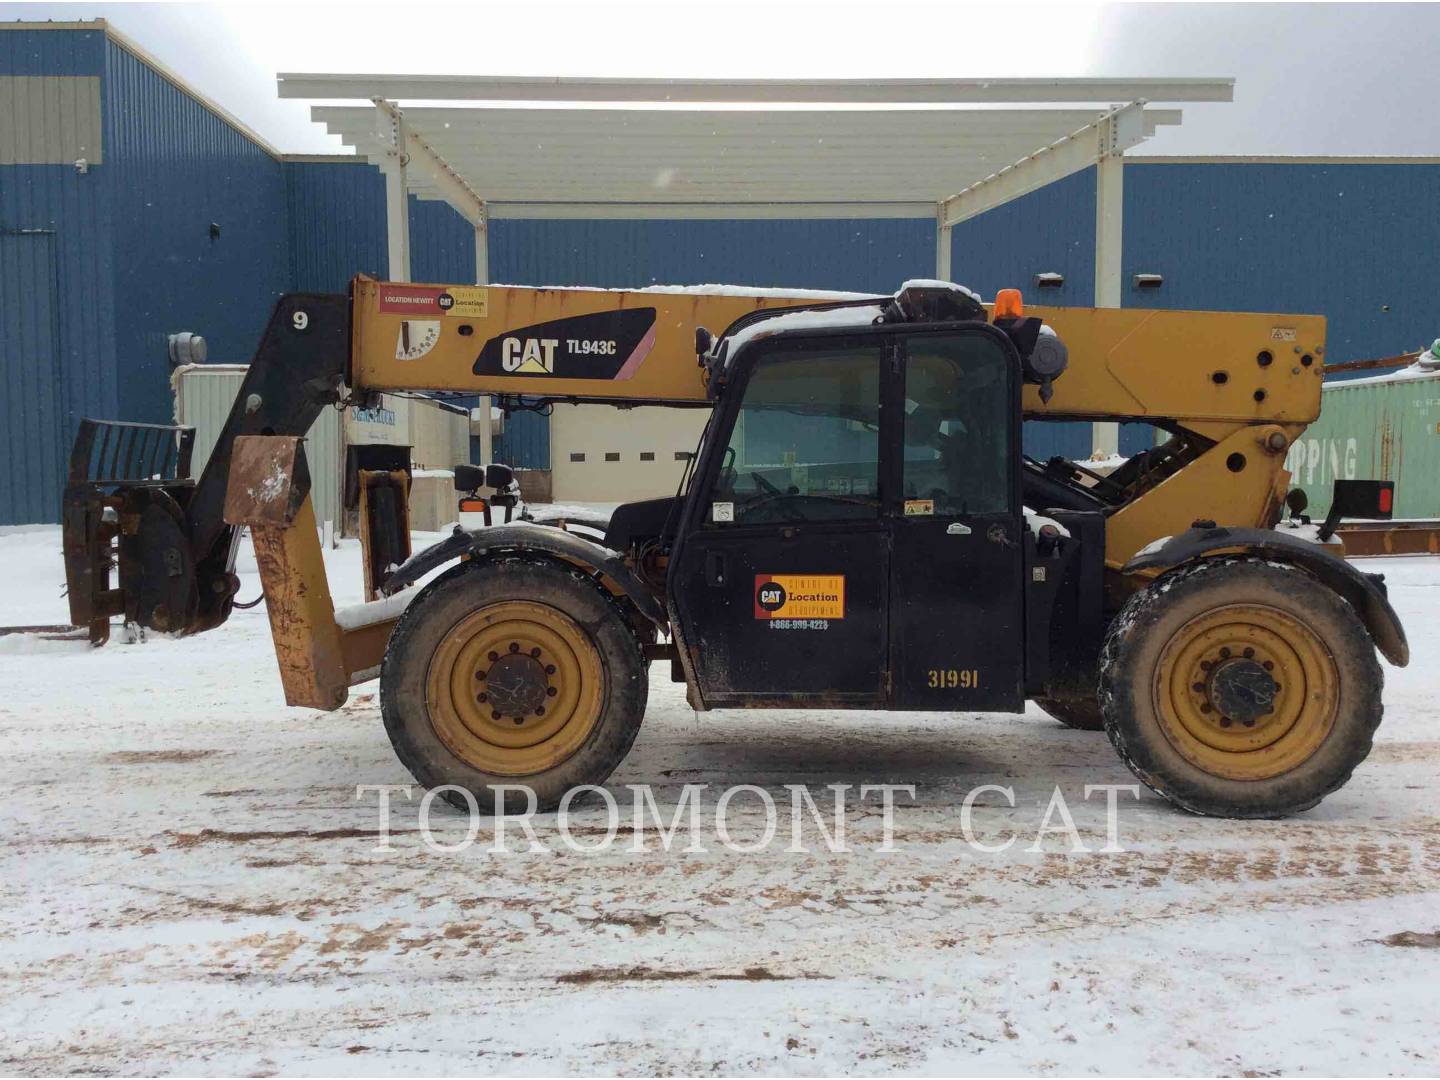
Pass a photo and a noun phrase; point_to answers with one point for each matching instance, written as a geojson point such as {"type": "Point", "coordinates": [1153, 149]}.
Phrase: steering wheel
{"type": "Point", "coordinates": [765, 485]}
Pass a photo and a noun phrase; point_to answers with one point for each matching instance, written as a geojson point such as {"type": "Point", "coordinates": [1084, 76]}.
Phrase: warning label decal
{"type": "Point", "coordinates": [799, 596]}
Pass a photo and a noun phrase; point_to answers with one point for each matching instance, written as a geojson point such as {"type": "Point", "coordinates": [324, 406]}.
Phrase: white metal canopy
{"type": "Point", "coordinates": [731, 156]}
{"type": "Point", "coordinates": [555, 147]}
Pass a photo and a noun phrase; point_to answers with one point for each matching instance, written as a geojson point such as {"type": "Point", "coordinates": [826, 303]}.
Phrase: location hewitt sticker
{"type": "Point", "coordinates": [461, 300]}
{"type": "Point", "coordinates": [799, 596]}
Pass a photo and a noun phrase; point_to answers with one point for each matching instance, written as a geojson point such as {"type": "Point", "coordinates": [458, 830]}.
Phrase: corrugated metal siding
{"type": "Point", "coordinates": [1047, 231]}
{"type": "Point", "coordinates": [175, 167]}
{"type": "Point", "coordinates": [51, 52]}
{"type": "Point", "coordinates": [49, 119]}
{"type": "Point", "coordinates": [1356, 243]}
{"type": "Point", "coordinates": [865, 255]}
{"type": "Point", "coordinates": [525, 442]}
{"type": "Point", "coordinates": [75, 211]}
{"type": "Point", "coordinates": [337, 229]}
{"type": "Point", "coordinates": [30, 355]}
{"type": "Point", "coordinates": [337, 223]}
{"type": "Point", "coordinates": [1378, 431]}
{"type": "Point", "coordinates": [442, 243]}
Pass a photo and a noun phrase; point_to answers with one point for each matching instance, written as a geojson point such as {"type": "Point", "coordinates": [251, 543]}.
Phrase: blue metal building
{"type": "Point", "coordinates": [131, 208]}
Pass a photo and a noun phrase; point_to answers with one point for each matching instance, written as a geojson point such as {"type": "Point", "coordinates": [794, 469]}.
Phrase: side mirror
{"type": "Point", "coordinates": [499, 477]}
{"type": "Point", "coordinates": [1296, 501]}
{"type": "Point", "coordinates": [469, 477]}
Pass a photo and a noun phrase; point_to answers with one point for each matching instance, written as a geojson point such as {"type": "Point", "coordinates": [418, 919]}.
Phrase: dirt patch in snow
{"type": "Point", "coordinates": [158, 757]}
{"type": "Point", "coordinates": [222, 836]}
{"type": "Point", "coordinates": [1412, 939]}
{"type": "Point", "coordinates": [644, 974]}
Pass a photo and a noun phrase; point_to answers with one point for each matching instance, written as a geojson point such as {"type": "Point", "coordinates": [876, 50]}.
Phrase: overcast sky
{"type": "Point", "coordinates": [1312, 78]}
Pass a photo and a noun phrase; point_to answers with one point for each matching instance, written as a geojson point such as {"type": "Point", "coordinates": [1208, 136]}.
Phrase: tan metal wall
{"type": "Point", "coordinates": [596, 431]}
{"type": "Point", "coordinates": [203, 397]}
{"type": "Point", "coordinates": [439, 436]}
{"type": "Point", "coordinates": [49, 119]}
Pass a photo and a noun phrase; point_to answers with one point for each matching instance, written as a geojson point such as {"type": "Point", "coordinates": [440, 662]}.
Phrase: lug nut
{"type": "Point", "coordinates": [482, 697]}
{"type": "Point", "coordinates": [1224, 721]}
{"type": "Point", "coordinates": [1225, 653]}
{"type": "Point", "coordinates": [514, 646]}
{"type": "Point", "coordinates": [539, 710]}
{"type": "Point", "coordinates": [519, 719]}
{"type": "Point", "coordinates": [1199, 688]}
{"type": "Point", "coordinates": [550, 691]}
{"type": "Point", "coordinates": [494, 656]}
{"type": "Point", "coordinates": [549, 669]}
{"type": "Point", "coordinates": [535, 653]}
{"type": "Point", "coordinates": [1249, 654]}
{"type": "Point", "coordinates": [481, 675]}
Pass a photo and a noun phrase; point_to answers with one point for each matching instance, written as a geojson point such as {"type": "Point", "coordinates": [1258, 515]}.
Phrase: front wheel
{"type": "Point", "coordinates": [512, 672]}
{"type": "Point", "coordinates": [1240, 688]}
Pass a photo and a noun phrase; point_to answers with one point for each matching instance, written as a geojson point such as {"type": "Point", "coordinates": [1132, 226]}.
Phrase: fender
{"type": "Point", "coordinates": [524, 536]}
{"type": "Point", "coordinates": [1365, 592]}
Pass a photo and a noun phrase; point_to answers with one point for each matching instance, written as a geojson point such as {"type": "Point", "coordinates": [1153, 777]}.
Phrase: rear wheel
{"type": "Point", "coordinates": [512, 672]}
{"type": "Point", "coordinates": [1240, 688]}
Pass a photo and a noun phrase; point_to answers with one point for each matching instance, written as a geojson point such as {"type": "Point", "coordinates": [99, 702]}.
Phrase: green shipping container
{"type": "Point", "coordinates": [1374, 429]}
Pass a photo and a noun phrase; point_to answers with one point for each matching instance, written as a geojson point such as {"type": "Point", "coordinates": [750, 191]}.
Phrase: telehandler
{"type": "Point", "coordinates": [858, 529]}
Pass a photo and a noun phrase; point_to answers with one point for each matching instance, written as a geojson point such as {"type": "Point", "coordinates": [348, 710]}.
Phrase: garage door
{"type": "Point", "coordinates": [599, 453]}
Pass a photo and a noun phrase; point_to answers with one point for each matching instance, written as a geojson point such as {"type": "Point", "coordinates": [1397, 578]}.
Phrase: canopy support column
{"type": "Point", "coordinates": [943, 237]}
{"type": "Point", "coordinates": [1109, 247]}
{"type": "Point", "coordinates": [390, 130]}
{"type": "Point", "coordinates": [482, 249]}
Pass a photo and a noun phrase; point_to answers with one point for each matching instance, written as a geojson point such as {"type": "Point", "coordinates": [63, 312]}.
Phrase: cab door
{"type": "Point", "coordinates": [956, 592]}
{"type": "Point", "coordinates": [781, 581]}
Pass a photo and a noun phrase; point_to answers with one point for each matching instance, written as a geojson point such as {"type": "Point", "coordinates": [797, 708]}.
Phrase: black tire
{"type": "Point", "coordinates": [459, 593]}
{"type": "Point", "coordinates": [1082, 714]}
{"type": "Point", "coordinates": [1132, 688]}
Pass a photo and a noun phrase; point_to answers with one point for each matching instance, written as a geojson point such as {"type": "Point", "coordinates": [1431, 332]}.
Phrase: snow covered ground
{"type": "Point", "coordinates": [188, 884]}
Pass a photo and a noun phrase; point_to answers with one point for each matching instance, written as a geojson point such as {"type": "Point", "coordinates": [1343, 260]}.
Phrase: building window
{"type": "Point", "coordinates": [577, 457]}
{"type": "Point", "coordinates": [612, 455]}
{"type": "Point", "coordinates": [647, 455]}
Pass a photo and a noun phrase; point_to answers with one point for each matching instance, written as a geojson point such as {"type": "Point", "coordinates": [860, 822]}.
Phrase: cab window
{"type": "Point", "coordinates": [806, 442]}
{"type": "Point", "coordinates": [957, 453]}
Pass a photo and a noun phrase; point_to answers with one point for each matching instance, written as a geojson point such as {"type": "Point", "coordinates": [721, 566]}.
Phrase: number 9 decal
{"type": "Point", "coordinates": [300, 320]}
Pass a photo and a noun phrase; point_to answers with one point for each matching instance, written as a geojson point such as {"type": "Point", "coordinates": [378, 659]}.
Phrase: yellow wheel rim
{"type": "Point", "coordinates": [514, 688]}
{"type": "Point", "coordinates": [1246, 691]}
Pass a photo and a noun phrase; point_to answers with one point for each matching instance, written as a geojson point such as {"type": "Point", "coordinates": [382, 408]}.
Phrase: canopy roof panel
{"type": "Point", "coordinates": [907, 140]}
{"type": "Point", "coordinates": [620, 155]}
